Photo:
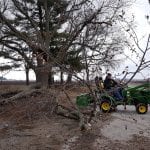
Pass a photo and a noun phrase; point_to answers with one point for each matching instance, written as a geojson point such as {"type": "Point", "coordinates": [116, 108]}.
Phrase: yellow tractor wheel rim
{"type": "Point", "coordinates": [142, 109]}
{"type": "Point", "coordinates": [105, 106]}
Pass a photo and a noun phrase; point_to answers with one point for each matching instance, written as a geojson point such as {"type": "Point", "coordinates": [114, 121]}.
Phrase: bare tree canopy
{"type": "Point", "coordinates": [51, 33]}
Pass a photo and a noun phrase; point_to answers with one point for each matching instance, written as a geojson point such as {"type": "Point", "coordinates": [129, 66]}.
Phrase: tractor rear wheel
{"type": "Point", "coordinates": [105, 106]}
{"type": "Point", "coordinates": [141, 108]}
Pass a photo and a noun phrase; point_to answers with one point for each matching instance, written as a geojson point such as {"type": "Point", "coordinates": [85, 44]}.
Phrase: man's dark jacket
{"type": "Point", "coordinates": [109, 83]}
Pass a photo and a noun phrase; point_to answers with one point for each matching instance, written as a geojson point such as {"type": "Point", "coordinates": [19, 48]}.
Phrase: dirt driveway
{"type": "Point", "coordinates": [122, 130]}
{"type": "Point", "coordinates": [129, 129]}
{"type": "Point", "coordinates": [28, 125]}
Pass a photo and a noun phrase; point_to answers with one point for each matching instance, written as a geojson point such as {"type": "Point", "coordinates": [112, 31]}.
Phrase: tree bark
{"type": "Point", "coordinates": [50, 79]}
{"type": "Point", "coordinates": [42, 74]}
{"type": "Point", "coordinates": [27, 77]}
{"type": "Point", "coordinates": [27, 74]}
{"type": "Point", "coordinates": [42, 77]}
{"type": "Point", "coordinates": [87, 75]}
{"type": "Point", "coordinates": [69, 78]}
{"type": "Point", "coordinates": [61, 77]}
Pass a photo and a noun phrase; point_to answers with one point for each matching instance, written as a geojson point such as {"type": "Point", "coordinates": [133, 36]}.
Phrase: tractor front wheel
{"type": "Point", "coordinates": [105, 106]}
{"type": "Point", "coordinates": [141, 108]}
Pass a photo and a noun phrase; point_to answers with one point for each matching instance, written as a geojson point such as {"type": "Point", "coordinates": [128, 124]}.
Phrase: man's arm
{"type": "Point", "coordinates": [115, 82]}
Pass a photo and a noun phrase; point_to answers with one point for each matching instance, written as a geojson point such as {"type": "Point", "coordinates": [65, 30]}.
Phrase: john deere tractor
{"type": "Point", "coordinates": [138, 96]}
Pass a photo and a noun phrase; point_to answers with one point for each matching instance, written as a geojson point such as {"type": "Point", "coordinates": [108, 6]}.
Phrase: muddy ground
{"type": "Point", "coordinates": [29, 124]}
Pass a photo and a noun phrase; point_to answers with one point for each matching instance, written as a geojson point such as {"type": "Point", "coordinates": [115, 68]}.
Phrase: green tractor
{"type": "Point", "coordinates": [138, 96]}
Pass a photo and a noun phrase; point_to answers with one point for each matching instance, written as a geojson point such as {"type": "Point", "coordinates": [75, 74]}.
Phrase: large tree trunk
{"type": "Point", "coordinates": [43, 70]}
{"type": "Point", "coordinates": [42, 74]}
{"type": "Point", "coordinates": [42, 77]}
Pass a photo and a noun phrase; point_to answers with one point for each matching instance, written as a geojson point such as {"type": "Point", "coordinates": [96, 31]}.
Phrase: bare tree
{"type": "Point", "coordinates": [30, 24]}
{"type": "Point", "coordinates": [54, 29]}
{"type": "Point", "coordinates": [140, 59]}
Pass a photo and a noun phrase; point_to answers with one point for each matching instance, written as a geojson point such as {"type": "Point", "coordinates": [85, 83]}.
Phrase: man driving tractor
{"type": "Point", "coordinates": [110, 83]}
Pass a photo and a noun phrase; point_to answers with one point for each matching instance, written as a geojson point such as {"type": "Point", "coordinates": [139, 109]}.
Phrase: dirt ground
{"type": "Point", "coordinates": [29, 124]}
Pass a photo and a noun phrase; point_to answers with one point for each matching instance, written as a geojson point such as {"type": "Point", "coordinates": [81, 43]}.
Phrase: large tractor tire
{"type": "Point", "coordinates": [105, 106]}
{"type": "Point", "coordinates": [141, 108]}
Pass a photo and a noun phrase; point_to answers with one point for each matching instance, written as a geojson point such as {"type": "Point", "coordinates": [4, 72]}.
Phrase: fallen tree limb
{"type": "Point", "coordinates": [74, 114]}
{"type": "Point", "coordinates": [31, 90]}
{"type": "Point", "coordinates": [67, 112]}
{"type": "Point", "coordinates": [20, 95]}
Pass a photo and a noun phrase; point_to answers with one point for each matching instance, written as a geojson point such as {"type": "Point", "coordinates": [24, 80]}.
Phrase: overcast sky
{"type": "Point", "coordinates": [140, 9]}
